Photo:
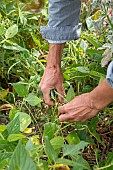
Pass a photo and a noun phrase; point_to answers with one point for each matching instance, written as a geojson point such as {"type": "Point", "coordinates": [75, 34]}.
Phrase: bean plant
{"type": "Point", "coordinates": [31, 136]}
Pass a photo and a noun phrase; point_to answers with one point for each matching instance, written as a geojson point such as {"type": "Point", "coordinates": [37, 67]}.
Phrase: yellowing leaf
{"type": "Point", "coordinates": [28, 130]}
{"type": "Point", "coordinates": [35, 140]}
{"type": "Point", "coordinates": [6, 107]}
{"type": "Point", "coordinates": [97, 15]}
{"type": "Point", "coordinates": [4, 93]}
{"type": "Point", "coordinates": [2, 128]}
{"type": "Point", "coordinates": [0, 16]}
{"type": "Point", "coordinates": [61, 167]}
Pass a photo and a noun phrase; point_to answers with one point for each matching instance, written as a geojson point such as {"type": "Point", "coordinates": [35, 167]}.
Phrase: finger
{"type": "Point", "coordinates": [60, 90]}
{"type": "Point", "coordinates": [46, 95]}
{"type": "Point", "coordinates": [64, 117]}
{"type": "Point", "coordinates": [61, 110]}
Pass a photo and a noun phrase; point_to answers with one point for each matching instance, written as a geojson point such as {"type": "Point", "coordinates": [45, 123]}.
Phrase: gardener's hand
{"type": "Point", "coordinates": [52, 77]}
{"type": "Point", "coordinates": [86, 106]}
{"type": "Point", "coordinates": [79, 109]}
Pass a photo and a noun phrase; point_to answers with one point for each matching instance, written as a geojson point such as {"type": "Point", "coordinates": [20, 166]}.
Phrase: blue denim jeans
{"type": "Point", "coordinates": [64, 26]}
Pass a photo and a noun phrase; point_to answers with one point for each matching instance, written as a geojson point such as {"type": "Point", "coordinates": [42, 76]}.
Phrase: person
{"type": "Point", "coordinates": [64, 26]}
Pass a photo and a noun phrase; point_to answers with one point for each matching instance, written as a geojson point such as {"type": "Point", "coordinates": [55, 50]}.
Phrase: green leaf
{"type": "Point", "coordinates": [74, 149]}
{"type": "Point", "coordinates": [5, 155]}
{"type": "Point", "coordinates": [83, 45]}
{"type": "Point", "coordinates": [2, 128]}
{"type": "Point", "coordinates": [51, 153]}
{"type": "Point", "coordinates": [49, 130]}
{"type": "Point", "coordinates": [83, 162]}
{"type": "Point", "coordinates": [97, 74]}
{"type": "Point", "coordinates": [83, 69]}
{"type": "Point", "coordinates": [72, 163]}
{"type": "Point", "coordinates": [15, 47]}
{"type": "Point", "coordinates": [20, 159]}
{"type": "Point", "coordinates": [91, 40]}
{"type": "Point", "coordinates": [13, 126]}
{"type": "Point", "coordinates": [32, 99]}
{"type": "Point", "coordinates": [57, 142]}
{"type": "Point", "coordinates": [15, 137]}
{"type": "Point", "coordinates": [11, 31]}
{"type": "Point", "coordinates": [72, 138]}
{"type": "Point", "coordinates": [24, 120]}
{"type": "Point", "coordinates": [7, 146]}
{"type": "Point", "coordinates": [20, 89]}
{"type": "Point", "coordinates": [70, 94]}
{"type": "Point", "coordinates": [2, 28]}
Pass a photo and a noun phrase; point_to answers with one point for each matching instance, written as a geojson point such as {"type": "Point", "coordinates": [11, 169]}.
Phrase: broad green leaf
{"type": "Point", "coordinates": [83, 69]}
{"type": "Point", "coordinates": [12, 113]}
{"type": "Point", "coordinates": [7, 146]}
{"type": "Point", "coordinates": [29, 145]}
{"type": "Point", "coordinates": [92, 129]}
{"type": "Point", "coordinates": [14, 47]}
{"type": "Point", "coordinates": [20, 159]}
{"type": "Point", "coordinates": [13, 126]}
{"type": "Point", "coordinates": [74, 149]}
{"type": "Point", "coordinates": [91, 40]}
{"type": "Point", "coordinates": [20, 89]}
{"type": "Point", "coordinates": [49, 130]}
{"type": "Point", "coordinates": [11, 31]}
{"type": "Point", "coordinates": [70, 94]}
{"type": "Point", "coordinates": [72, 138]}
{"type": "Point", "coordinates": [33, 100]}
{"type": "Point", "coordinates": [83, 162]}
{"type": "Point", "coordinates": [15, 137]}
{"type": "Point", "coordinates": [72, 163]}
{"type": "Point", "coordinates": [51, 153]}
{"type": "Point", "coordinates": [57, 142]}
{"type": "Point", "coordinates": [83, 45]}
{"type": "Point", "coordinates": [97, 74]}
{"type": "Point", "coordinates": [24, 119]}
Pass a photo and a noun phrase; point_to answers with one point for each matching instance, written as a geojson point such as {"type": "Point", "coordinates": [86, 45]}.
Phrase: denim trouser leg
{"type": "Point", "coordinates": [63, 20]}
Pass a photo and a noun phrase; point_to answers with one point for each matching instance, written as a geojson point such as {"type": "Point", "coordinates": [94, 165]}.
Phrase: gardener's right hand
{"type": "Point", "coordinates": [52, 77]}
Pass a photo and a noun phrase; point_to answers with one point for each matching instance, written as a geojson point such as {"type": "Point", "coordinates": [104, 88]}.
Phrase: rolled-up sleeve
{"type": "Point", "coordinates": [109, 76]}
{"type": "Point", "coordinates": [63, 22]}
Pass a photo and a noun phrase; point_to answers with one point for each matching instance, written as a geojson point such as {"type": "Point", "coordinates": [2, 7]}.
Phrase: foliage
{"type": "Point", "coordinates": [31, 137]}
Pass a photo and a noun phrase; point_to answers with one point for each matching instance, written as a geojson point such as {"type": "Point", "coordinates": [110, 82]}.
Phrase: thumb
{"type": "Point", "coordinates": [61, 110]}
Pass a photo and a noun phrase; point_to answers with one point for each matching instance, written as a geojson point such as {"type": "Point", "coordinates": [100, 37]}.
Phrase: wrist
{"type": "Point", "coordinates": [55, 55]}
{"type": "Point", "coordinates": [101, 96]}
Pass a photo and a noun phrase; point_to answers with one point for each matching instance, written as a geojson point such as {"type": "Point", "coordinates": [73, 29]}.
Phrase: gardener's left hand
{"type": "Point", "coordinates": [81, 108]}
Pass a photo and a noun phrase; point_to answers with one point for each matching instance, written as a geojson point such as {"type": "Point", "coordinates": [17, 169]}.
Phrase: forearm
{"type": "Point", "coordinates": [55, 55]}
{"type": "Point", "coordinates": [102, 95]}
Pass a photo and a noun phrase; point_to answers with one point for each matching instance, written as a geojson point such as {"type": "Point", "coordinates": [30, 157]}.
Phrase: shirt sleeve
{"type": "Point", "coordinates": [109, 76]}
{"type": "Point", "coordinates": [63, 22]}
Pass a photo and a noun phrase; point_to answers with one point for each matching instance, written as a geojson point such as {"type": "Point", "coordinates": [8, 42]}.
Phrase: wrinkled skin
{"type": "Point", "coordinates": [80, 109]}
{"type": "Point", "coordinates": [87, 105]}
{"type": "Point", "coordinates": [52, 79]}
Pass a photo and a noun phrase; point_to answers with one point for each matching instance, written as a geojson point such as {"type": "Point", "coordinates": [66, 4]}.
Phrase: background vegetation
{"type": "Point", "coordinates": [31, 137]}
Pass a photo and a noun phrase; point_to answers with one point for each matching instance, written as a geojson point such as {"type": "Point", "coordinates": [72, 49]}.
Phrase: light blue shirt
{"type": "Point", "coordinates": [64, 26]}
